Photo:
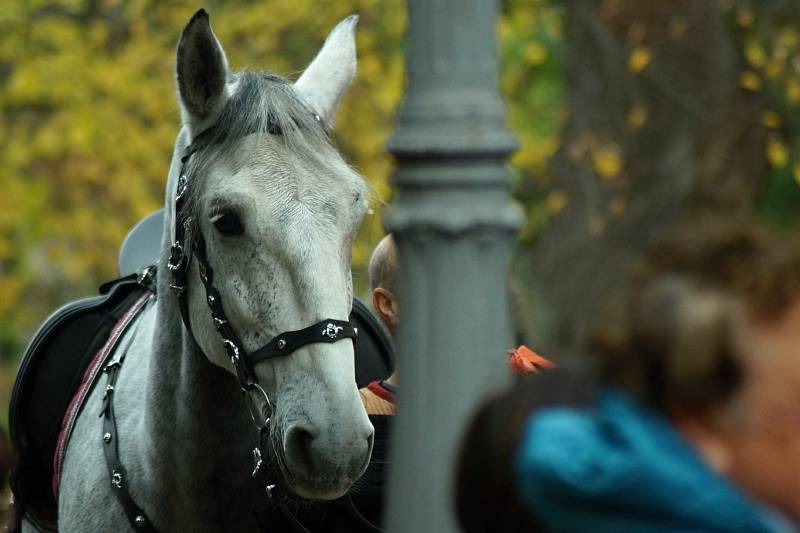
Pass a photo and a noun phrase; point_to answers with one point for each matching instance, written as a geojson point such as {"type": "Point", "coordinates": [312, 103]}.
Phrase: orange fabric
{"type": "Point", "coordinates": [381, 391]}
{"type": "Point", "coordinates": [523, 360]}
{"type": "Point", "coordinates": [374, 404]}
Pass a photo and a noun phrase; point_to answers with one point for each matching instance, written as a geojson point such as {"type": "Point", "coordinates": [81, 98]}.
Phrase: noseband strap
{"type": "Point", "coordinates": [327, 331]}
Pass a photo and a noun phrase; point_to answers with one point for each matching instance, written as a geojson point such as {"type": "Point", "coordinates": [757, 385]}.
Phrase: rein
{"type": "Point", "coordinates": [284, 344]}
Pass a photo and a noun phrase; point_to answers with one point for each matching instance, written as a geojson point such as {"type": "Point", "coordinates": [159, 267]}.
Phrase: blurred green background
{"type": "Point", "coordinates": [602, 95]}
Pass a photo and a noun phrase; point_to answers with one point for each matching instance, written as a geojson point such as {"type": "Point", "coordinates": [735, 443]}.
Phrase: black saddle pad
{"type": "Point", "coordinates": [55, 362]}
{"type": "Point", "coordinates": [50, 373]}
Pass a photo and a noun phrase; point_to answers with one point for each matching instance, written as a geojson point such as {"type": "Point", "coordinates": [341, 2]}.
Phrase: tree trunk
{"type": "Point", "coordinates": [659, 130]}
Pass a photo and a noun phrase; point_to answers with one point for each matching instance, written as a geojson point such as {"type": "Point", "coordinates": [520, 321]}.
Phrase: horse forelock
{"type": "Point", "coordinates": [263, 103]}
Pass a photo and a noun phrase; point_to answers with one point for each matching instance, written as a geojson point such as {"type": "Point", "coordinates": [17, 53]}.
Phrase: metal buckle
{"type": "Point", "coordinates": [109, 391]}
{"type": "Point", "coordinates": [233, 351]}
{"type": "Point", "coordinates": [176, 289]}
{"type": "Point", "coordinates": [177, 257]}
{"type": "Point", "coordinates": [181, 189]}
{"type": "Point", "coordinates": [201, 266]}
{"type": "Point", "coordinates": [260, 414]}
{"type": "Point", "coordinates": [145, 277]}
{"type": "Point", "coordinates": [257, 461]}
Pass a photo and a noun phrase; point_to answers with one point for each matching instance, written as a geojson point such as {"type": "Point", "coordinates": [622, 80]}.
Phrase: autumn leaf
{"type": "Point", "coordinates": [637, 117]}
{"type": "Point", "coordinates": [771, 119]}
{"type": "Point", "coordinates": [535, 53]}
{"type": "Point", "coordinates": [749, 80]}
{"type": "Point", "coordinates": [777, 153]}
{"type": "Point", "coordinates": [640, 57]}
{"type": "Point", "coordinates": [607, 160]}
{"type": "Point", "coordinates": [556, 201]}
{"type": "Point", "coordinates": [755, 54]}
{"type": "Point", "coordinates": [793, 91]}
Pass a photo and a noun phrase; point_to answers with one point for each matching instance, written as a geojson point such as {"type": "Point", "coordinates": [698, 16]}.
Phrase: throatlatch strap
{"type": "Point", "coordinates": [327, 331]}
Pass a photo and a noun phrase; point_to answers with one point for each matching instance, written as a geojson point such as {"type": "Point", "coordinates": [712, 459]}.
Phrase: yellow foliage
{"type": "Point", "coordinates": [755, 54]}
{"type": "Point", "coordinates": [789, 37]}
{"type": "Point", "coordinates": [534, 156]}
{"type": "Point", "coordinates": [777, 152]}
{"type": "Point", "coordinates": [771, 119]}
{"type": "Point", "coordinates": [750, 80]}
{"type": "Point", "coordinates": [535, 52]}
{"type": "Point", "coordinates": [774, 69]}
{"type": "Point", "coordinates": [556, 201]}
{"type": "Point", "coordinates": [608, 160]}
{"type": "Point", "coordinates": [793, 91]}
{"type": "Point", "coordinates": [640, 57]}
{"type": "Point", "coordinates": [637, 117]}
{"type": "Point", "coordinates": [89, 117]}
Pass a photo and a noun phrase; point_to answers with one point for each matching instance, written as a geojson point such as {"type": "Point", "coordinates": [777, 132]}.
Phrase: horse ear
{"type": "Point", "coordinates": [201, 71]}
{"type": "Point", "coordinates": [326, 79]}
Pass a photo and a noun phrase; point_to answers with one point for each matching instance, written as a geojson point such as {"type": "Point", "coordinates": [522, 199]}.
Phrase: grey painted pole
{"type": "Point", "coordinates": [454, 225]}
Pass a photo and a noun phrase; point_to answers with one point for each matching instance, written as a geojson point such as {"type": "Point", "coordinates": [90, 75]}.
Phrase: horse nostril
{"type": "Point", "coordinates": [297, 448]}
{"type": "Point", "coordinates": [368, 455]}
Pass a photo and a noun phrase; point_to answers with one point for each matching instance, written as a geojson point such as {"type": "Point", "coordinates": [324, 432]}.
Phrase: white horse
{"type": "Point", "coordinates": [277, 209]}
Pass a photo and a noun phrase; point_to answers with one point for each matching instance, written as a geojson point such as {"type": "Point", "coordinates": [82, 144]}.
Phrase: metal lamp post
{"type": "Point", "coordinates": [454, 225]}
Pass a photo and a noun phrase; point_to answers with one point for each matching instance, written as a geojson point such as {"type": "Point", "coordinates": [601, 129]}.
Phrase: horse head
{"type": "Point", "coordinates": [277, 209]}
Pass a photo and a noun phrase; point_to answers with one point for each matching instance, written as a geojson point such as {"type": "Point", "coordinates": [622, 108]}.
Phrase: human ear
{"type": "Point", "coordinates": [385, 305]}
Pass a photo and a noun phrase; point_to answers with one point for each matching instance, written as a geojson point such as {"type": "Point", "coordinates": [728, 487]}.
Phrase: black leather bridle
{"type": "Point", "coordinates": [261, 408]}
{"type": "Point", "coordinates": [326, 331]}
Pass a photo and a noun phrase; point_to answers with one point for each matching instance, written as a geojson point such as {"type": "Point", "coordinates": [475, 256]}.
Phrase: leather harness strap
{"type": "Point", "coordinates": [117, 472]}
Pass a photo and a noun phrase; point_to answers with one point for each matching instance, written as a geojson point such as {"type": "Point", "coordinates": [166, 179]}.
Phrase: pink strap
{"type": "Point", "coordinates": [89, 376]}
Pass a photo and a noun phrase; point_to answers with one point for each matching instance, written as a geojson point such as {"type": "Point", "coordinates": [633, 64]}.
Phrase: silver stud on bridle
{"type": "Point", "coordinates": [332, 331]}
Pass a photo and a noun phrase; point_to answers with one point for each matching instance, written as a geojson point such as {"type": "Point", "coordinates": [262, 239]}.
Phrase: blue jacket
{"type": "Point", "coordinates": [622, 467]}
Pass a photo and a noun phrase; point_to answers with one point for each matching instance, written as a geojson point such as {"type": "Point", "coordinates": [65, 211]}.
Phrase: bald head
{"type": "Point", "coordinates": [383, 265]}
{"type": "Point", "coordinates": [382, 269]}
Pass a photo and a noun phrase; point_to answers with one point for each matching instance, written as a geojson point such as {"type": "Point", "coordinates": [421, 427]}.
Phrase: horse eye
{"type": "Point", "coordinates": [228, 224]}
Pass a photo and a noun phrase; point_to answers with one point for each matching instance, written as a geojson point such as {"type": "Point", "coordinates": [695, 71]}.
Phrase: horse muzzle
{"type": "Point", "coordinates": [324, 466]}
